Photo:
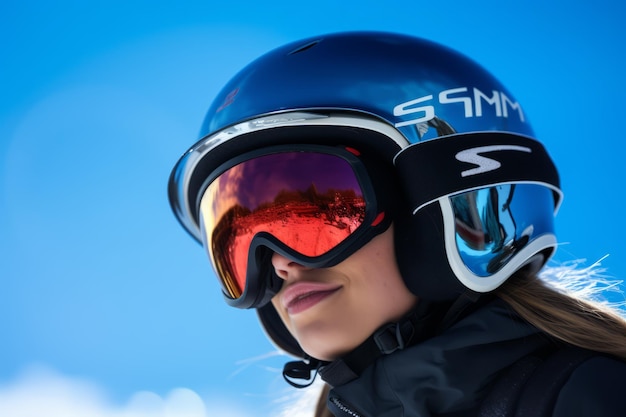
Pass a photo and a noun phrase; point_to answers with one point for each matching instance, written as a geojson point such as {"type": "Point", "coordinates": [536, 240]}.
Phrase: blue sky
{"type": "Point", "coordinates": [106, 305]}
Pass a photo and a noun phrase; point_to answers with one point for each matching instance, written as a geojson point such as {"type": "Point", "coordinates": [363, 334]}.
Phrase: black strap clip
{"type": "Point", "coordinates": [394, 336]}
{"type": "Point", "coordinates": [302, 370]}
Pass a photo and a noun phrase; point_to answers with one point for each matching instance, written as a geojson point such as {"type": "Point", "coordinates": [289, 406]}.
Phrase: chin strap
{"type": "Point", "coordinates": [302, 370]}
{"type": "Point", "coordinates": [422, 323]}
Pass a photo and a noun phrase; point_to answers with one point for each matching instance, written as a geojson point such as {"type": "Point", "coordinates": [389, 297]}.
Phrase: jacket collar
{"type": "Point", "coordinates": [448, 372]}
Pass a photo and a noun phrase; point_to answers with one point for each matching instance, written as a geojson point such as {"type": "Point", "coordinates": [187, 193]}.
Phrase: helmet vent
{"type": "Point", "coordinates": [305, 47]}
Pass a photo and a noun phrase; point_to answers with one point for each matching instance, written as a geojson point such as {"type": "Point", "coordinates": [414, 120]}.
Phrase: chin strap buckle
{"type": "Point", "coordinates": [302, 370]}
{"type": "Point", "coordinates": [394, 336]}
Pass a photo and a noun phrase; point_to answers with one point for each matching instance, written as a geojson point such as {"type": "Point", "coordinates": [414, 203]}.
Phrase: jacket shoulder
{"type": "Point", "coordinates": [596, 388]}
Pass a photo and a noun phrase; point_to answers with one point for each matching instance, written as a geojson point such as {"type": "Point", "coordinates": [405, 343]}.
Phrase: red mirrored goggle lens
{"type": "Point", "coordinates": [309, 201]}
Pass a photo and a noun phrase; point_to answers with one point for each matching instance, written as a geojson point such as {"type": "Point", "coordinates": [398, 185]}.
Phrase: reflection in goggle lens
{"type": "Point", "coordinates": [310, 201]}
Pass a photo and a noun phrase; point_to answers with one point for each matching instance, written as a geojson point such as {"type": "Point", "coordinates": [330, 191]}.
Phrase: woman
{"type": "Point", "coordinates": [382, 203]}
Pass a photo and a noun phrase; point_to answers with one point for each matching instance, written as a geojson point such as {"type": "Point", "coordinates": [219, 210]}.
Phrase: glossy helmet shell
{"type": "Point", "coordinates": [401, 97]}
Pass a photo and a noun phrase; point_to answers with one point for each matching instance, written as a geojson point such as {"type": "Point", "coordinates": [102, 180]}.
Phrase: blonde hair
{"type": "Point", "coordinates": [321, 410]}
{"type": "Point", "coordinates": [566, 302]}
{"type": "Point", "coordinates": [569, 304]}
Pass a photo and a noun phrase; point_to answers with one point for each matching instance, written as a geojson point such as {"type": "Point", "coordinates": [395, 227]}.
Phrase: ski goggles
{"type": "Point", "coordinates": [315, 205]}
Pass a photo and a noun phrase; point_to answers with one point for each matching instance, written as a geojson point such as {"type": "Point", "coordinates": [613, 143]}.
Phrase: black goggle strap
{"type": "Point", "coordinates": [464, 162]}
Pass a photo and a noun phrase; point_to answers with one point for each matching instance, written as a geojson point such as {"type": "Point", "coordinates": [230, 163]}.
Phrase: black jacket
{"type": "Point", "coordinates": [453, 373]}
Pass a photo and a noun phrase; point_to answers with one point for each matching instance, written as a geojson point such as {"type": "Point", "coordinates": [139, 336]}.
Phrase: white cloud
{"type": "Point", "coordinates": [299, 402]}
{"type": "Point", "coordinates": [41, 392]}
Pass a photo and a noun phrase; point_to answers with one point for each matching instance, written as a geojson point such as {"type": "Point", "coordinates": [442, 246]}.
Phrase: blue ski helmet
{"type": "Point", "coordinates": [479, 191]}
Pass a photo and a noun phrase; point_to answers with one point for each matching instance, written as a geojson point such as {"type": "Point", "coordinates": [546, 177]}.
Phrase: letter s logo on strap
{"type": "Point", "coordinates": [485, 164]}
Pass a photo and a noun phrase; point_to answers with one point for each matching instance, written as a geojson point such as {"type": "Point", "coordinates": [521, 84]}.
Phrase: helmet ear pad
{"type": "Point", "coordinates": [421, 254]}
{"type": "Point", "coordinates": [277, 331]}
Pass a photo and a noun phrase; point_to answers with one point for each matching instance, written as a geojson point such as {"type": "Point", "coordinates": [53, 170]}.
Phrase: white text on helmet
{"type": "Point", "coordinates": [472, 105]}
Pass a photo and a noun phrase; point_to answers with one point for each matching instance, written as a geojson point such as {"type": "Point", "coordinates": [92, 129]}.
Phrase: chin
{"type": "Point", "coordinates": [326, 351]}
{"type": "Point", "coordinates": [324, 355]}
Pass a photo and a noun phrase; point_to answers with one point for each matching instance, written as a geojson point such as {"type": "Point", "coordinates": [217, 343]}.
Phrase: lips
{"type": "Point", "coordinates": [301, 296]}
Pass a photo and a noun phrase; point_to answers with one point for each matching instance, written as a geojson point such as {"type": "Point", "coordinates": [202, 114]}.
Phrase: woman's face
{"type": "Point", "coordinates": [330, 311]}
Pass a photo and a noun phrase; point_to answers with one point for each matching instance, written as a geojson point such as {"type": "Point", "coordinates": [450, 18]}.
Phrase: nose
{"type": "Point", "coordinates": [284, 266]}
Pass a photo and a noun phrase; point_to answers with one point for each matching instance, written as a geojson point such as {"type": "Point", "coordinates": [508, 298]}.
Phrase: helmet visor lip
{"type": "Point", "coordinates": [327, 127]}
{"type": "Point", "coordinates": [307, 202]}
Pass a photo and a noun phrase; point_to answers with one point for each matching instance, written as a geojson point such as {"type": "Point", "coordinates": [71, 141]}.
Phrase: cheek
{"type": "Point", "coordinates": [386, 299]}
{"type": "Point", "coordinates": [381, 289]}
